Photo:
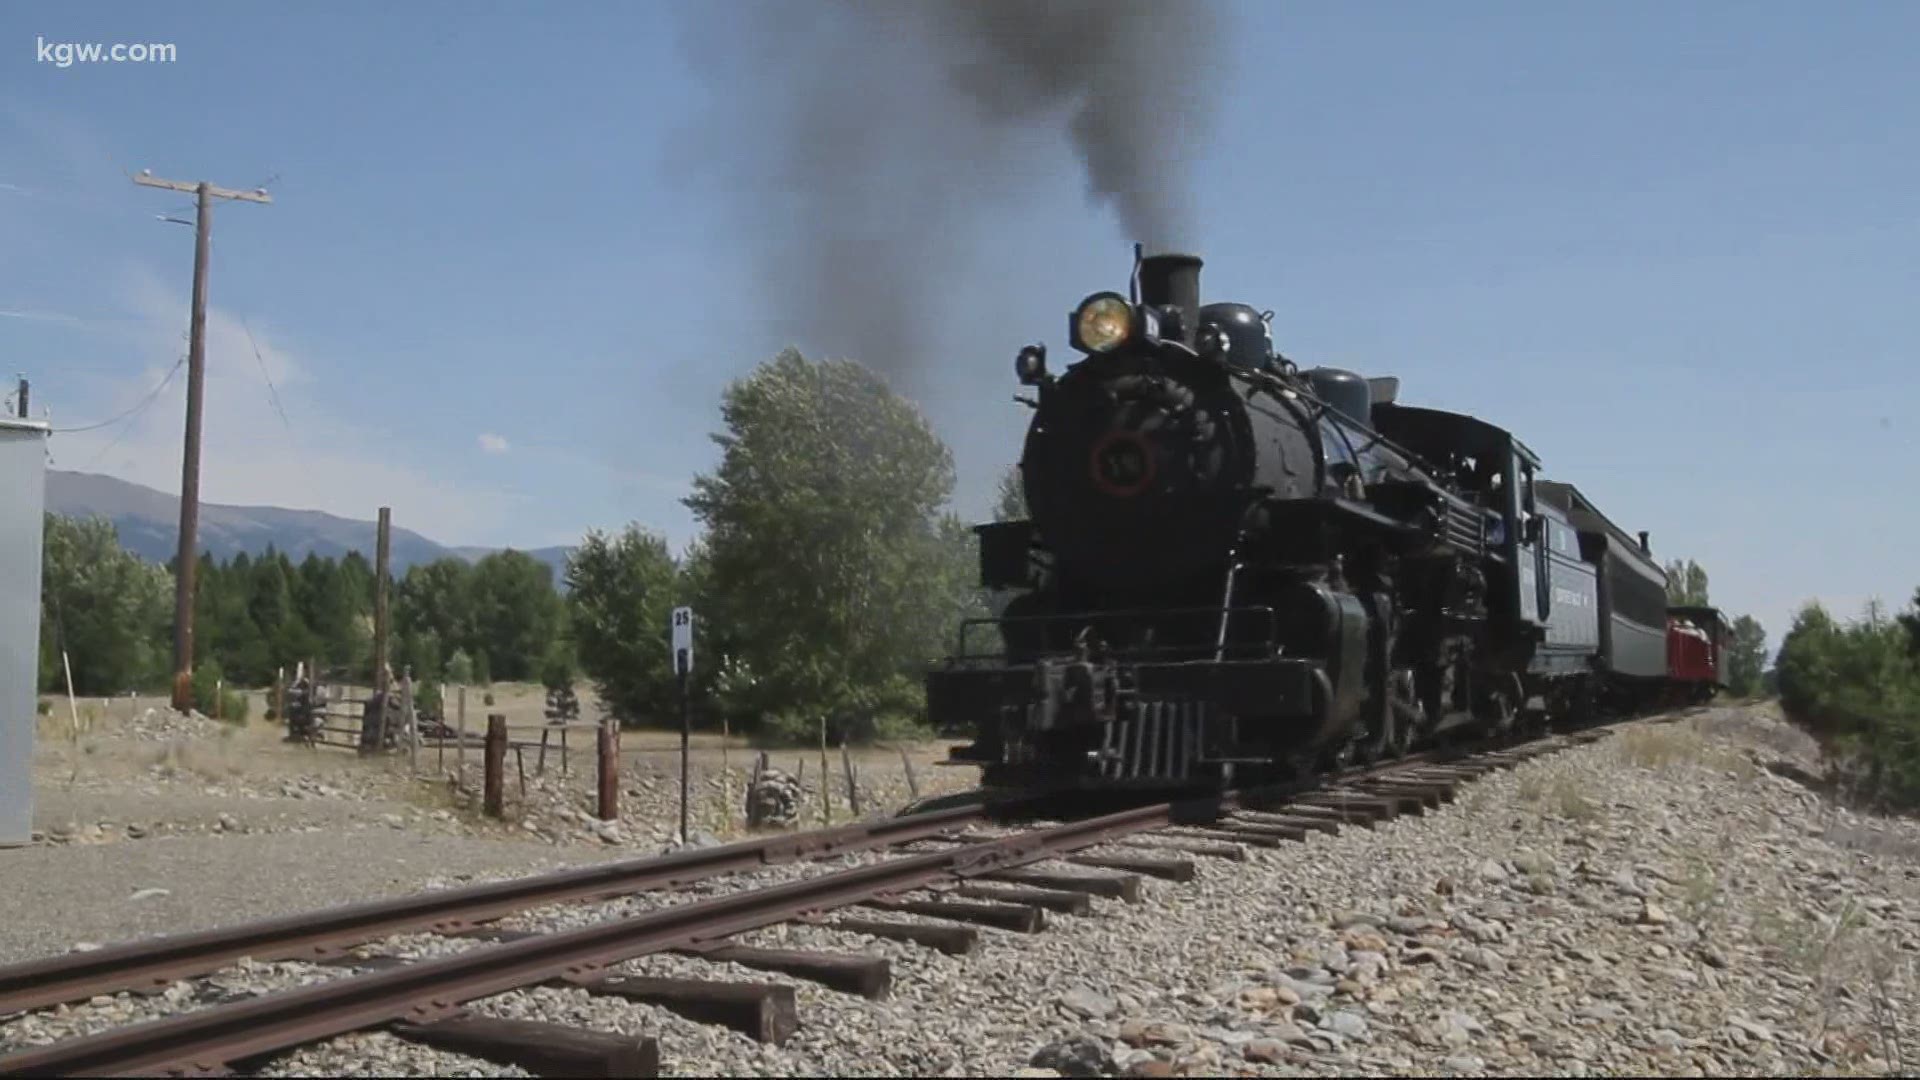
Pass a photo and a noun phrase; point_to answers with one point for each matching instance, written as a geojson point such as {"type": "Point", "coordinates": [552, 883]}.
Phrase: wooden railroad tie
{"type": "Point", "coordinates": [952, 940]}
{"type": "Point", "coordinates": [1328, 824]}
{"type": "Point", "coordinates": [1234, 836]}
{"type": "Point", "coordinates": [540, 1048]}
{"type": "Point", "coordinates": [1190, 845]}
{"type": "Point", "coordinates": [764, 1012]}
{"type": "Point", "coordinates": [1147, 866]}
{"type": "Point", "coordinates": [1018, 918]}
{"type": "Point", "coordinates": [1112, 886]}
{"type": "Point", "coordinates": [1060, 900]}
{"type": "Point", "coordinates": [859, 974]}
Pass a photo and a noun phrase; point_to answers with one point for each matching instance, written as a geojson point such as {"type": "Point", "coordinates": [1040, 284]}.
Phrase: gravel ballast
{"type": "Point", "coordinates": [1656, 903]}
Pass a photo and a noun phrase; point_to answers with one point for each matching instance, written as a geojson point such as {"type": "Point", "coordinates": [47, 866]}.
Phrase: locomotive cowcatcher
{"type": "Point", "coordinates": [1236, 569]}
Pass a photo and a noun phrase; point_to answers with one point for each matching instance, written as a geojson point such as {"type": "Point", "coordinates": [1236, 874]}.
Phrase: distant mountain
{"type": "Point", "coordinates": [149, 526]}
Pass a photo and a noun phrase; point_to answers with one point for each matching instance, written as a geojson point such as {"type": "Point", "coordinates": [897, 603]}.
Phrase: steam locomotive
{"type": "Point", "coordinates": [1236, 570]}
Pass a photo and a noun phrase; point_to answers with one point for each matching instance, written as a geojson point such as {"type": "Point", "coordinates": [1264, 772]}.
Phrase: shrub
{"type": "Point", "coordinates": [1856, 687]}
{"type": "Point", "coordinates": [208, 682]}
{"type": "Point", "coordinates": [892, 711]}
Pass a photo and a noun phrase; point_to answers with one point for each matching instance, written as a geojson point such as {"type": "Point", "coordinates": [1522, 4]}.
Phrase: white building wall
{"type": "Point", "coordinates": [23, 495]}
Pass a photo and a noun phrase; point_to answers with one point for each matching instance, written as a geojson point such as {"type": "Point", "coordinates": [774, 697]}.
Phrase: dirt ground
{"type": "Point", "coordinates": [150, 821]}
{"type": "Point", "coordinates": [133, 762]}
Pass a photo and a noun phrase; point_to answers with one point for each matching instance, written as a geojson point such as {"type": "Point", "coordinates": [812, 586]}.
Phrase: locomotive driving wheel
{"type": "Point", "coordinates": [1395, 720]}
{"type": "Point", "coordinates": [1500, 705]}
{"type": "Point", "coordinates": [1406, 715]}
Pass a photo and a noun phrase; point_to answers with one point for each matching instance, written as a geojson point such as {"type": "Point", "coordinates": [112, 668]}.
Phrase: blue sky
{"type": "Point", "coordinates": [1675, 247]}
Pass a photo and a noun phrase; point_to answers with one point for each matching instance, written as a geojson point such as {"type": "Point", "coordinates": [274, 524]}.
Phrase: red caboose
{"type": "Point", "coordinates": [1697, 640]}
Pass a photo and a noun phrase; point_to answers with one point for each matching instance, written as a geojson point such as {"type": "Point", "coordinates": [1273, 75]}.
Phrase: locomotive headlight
{"type": "Point", "coordinates": [1102, 323]}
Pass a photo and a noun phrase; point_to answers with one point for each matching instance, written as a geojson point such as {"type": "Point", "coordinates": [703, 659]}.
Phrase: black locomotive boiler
{"type": "Point", "coordinates": [1235, 569]}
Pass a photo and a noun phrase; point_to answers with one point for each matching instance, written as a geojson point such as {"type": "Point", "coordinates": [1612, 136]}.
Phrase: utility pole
{"type": "Point", "coordinates": [205, 193]}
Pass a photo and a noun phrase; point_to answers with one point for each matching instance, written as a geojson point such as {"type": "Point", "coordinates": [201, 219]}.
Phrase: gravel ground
{"type": "Point", "coordinates": [1657, 903]}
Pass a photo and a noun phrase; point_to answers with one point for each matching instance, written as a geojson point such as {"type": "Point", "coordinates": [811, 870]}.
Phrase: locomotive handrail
{"type": "Point", "coordinates": [1134, 652]}
{"type": "Point", "coordinates": [1322, 408]}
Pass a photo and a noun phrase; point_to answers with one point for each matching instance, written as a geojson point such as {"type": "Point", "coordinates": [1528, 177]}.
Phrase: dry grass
{"type": "Point", "coordinates": [1659, 747]}
{"type": "Point", "coordinates": [1873, 842]}
{"type": "Point", "coordinates": [1561, 794]}
{"type": "Point", "coordinates": [1760, 726]}
{"type": "Point", "coordinates": [1853, 970]}
{"type": "Point", "coordinates": [1697, 743]}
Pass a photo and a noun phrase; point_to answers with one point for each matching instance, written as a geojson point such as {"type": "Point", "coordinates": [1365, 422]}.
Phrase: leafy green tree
{"type": "Point", "coordinates": [1910, 619]}
{"type": "Point", "coordinates": [1012, 502]}
{"type": "Point", "coordinates": [516, 613]}
{"type": "Point", "coordinates": [558, 667]}
{"type": "Point", "coordinates": [427, 699]}
{"type": "Point", "coordinates": [436, 599]}
{"type": "Point", "coordinates": [420, 653]}
{"type": "Point", "coordinates": [1805, 664]}
{"type": "Point", "coordinates": [1686, 584]}
{"type": "Point", "coordinates": [111, 611]}
{"type": "Point", "coordinates": [460, 668]}
{"type": "Point", "coordinates": [1857, 688]}
{"type": "Point", "coordinates": [620, 590]}
{"type": "Point", "coordinates": [1747, 658]}
{"type": "Point", "coordinates": [830, 559]}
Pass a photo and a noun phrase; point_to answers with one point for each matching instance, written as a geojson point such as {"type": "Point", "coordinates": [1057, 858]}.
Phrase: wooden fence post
{"type": "Point", "coordinates": [826, 778]}
{"type": "Point", "coordinates": [853, 792]}
{"type": "Point", "coordinates": [407, 717]}
{"type": "Point", "coordinates": [460, 748]}
{"type": "Point", "coordinates": [913, 788]}
{"type": "Point", "coordinates": [496, 764]}
{"type": "Point", "coordinates": [609, 772]}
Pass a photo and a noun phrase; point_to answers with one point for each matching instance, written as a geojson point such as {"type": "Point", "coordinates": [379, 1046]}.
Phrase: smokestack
{"type": "Point", "coordinates": [1643, 543]}
{"type": "Point", "coordinates": [21, 401]}
{"type": "Point", "coordinates": [1173, 281]}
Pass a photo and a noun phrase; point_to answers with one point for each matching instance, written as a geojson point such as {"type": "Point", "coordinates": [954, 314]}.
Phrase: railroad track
{"type": "Point", "coordinates": [970, 878]}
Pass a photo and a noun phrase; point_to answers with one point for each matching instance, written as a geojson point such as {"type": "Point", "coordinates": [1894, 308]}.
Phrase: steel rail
{"type": "Point", "coordinates": [209, 1040]}
{"type": "Point", "coordinates": [153, 963]}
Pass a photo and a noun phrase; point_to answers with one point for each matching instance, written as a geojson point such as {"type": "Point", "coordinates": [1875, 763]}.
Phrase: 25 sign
{"type": "Point", "coordinates": [682, 623]}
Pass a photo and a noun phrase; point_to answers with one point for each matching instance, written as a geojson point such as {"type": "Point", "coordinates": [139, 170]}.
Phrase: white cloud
{"type": "Point", "coordinates": [493, 444]}
{"type": "Point", "coordinates": [318, 458]}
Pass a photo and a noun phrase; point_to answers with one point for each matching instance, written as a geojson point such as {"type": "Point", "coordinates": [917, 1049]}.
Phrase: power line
{"type": "Point", "coordinates": [122, 433]}
{"type": "Point", "coordinates": [144, 402]}
{"type": "Point", "coordinates": [271, 392]}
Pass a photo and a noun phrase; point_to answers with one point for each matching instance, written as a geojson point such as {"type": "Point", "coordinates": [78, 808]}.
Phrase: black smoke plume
{"type": "Point", "coordinates": [865, 137]}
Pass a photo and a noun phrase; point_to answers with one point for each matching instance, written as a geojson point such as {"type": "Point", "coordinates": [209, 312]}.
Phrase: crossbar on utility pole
{"type": "Point", "coordinates": [204, 194]}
